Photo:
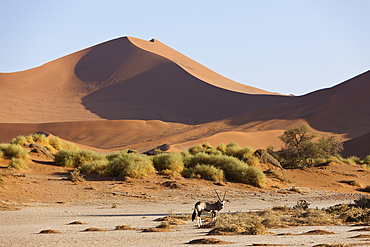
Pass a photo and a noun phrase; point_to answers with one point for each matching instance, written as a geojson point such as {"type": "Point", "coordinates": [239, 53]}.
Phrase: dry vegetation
{"type": "Point", "coordinates": [261, 222]}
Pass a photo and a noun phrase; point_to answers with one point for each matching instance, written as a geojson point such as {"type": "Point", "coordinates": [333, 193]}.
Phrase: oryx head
{"type": "Point", "coordinates": [222, 202]}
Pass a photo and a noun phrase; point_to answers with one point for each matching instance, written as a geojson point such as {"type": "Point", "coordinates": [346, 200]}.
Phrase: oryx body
{"type": "Point", "coordinates": [213, 208]}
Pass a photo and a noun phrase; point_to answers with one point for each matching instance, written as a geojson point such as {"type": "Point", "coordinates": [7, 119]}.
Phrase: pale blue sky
{"type": "Point", "coordinates": [290, 47]}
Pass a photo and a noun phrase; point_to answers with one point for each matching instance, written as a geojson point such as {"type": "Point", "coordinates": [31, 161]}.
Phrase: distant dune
{"type": "Point", "coordinates": [132, 93]}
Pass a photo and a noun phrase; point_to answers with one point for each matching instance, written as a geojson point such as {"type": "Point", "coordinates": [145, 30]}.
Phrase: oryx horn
{"type": "Point", "coordinates": [217, 195]}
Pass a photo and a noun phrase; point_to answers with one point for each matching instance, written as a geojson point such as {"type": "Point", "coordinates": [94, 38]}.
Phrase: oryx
{"type": "Point", "coordinates": [209, 207]}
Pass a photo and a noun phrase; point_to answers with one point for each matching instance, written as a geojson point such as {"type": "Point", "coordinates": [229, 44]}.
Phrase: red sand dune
{"type": "Point", "coordinates": [131, 93]}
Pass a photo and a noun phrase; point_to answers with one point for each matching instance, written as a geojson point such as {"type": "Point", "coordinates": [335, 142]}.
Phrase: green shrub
{"type": "Point", "coordinates": [205, 171]}
{"type": "Point", "coordinates": [234, 169]}
{"type": "Point", "coordinates": [232, 148]}
{"type": "Point", "coordinates": [352, 160]}
{"type": "Point", "coordinates": [56, 143]}
{"type": "Point", "coordinates": [222, 147]}
{"type": "Point", "coordinates": [14, 151]}
{"type": "Point", "coordinates": [69, 158]}
{"type": "Point", "coordinates": [169, 161]}
{"type": "Point", "coordinates": [18, 163]}
{"type": "Point", "coordinates": [243, 153]}
{"type": "Point", "coordinates": [300, 150]}
{"type": "Point", "coordinates": [253, 161]}
{"type": "Point", "coordinates": [196, 149]}
{"type": "Point", "coordinates": [20, 140]}
{"type": "Point", "coordinates": [93, 166]}
{"type": "Point", "coordinates": [40, 138]}
{"type": "Point", "coordinates": [131, 165]}
{"type": "Point", "coordinates": [367, 160]}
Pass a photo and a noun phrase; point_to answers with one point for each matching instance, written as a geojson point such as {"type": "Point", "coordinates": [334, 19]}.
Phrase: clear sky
{"type": "Point", "coordinates": [286, 46]}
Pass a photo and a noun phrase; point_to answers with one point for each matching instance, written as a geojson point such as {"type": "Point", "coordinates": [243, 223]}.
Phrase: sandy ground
{"type": "Point", "coordinates": [22, 228]}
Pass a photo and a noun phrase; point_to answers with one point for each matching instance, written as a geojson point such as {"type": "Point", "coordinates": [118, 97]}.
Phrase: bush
{"type": "Point", "coordinates": [75, 159]}
{"type": "Point", "coordinates": [169, 161]}
{"type": "Point", "coordinates": [234, 169]}
{"type": "Point", "coordinates": [367, 160]}
{"type": "Point", "coordinates": [19, 164]}
{"type": "Point", "coordinates": [20, 140]}
{"type": "Point", "coordinates": [301, 151]}
{"type": "Point", "coordinates": [243, 153]}
{"type": "Point", "coordinates": [205, 148]}
{"type": "Point", "coordinates": [205, 171]}
{"type": "Point", "coordinates": [40, 138]}
{"type": "Point", "coordinates": [14, 151]}
{"type": "Point", "coordinates": [94, 166]}
{"type": "Point", "coordinates": [232, 148]}
{"type": "Point", "coordinates": [222, 147]}
{"type": "Point", "coordinates": [131, 165]}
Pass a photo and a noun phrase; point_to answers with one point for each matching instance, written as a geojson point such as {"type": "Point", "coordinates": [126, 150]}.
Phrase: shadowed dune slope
{"type": "Point", "coordinates": [156, 84]}
{"type": "Point", "coordinates": [342, 109]}
{"type": "Point", "coordinates": [119, 80]}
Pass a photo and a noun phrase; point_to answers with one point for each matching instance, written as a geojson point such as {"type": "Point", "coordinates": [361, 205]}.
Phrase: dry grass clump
{"type": "Point", "coordinates": [175, 219]}
{"type": "Point", "coordinates": [163, 227]}
{"type": "Point", "coordinates": [93, 229]}
{"type": "Point", "coordinates": [317, 232]}
{"type": "Point", "coordinates": [208, 241]}
{"type": "Point", "coordinates": [49, 231]}
{"type": "Point", "coordinates": [76, 223]}
{"type": "Point", "coordinates": [124, 228]}
{"type": "Point", "coordinates": [351, 182]}
{"type": "Point", "coordinates": [75, 176]}
{"type": "Point", "coordinates": [335, 245]}
{"type": "Point", "coordinates": [244, 223]}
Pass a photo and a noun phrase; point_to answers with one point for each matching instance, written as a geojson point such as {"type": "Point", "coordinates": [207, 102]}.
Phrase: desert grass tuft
{"type": "Point", "coordinates": [94, 229]}
{"type": "Point", "coordinates": [18, 164]}
{"type": "Point", "coordinates": [203, 241]}
{"type": "Point", "coordinates": [124, 228]}
{"type": "Point", "coordinates": [351, 182]}
{"type": "Point", "coordinates": [163, 227]}
{"type": "Point", "coordinates": [75, 176]}
{"type": "Point", "coordinates": [49, 231]}
{"type": "Point", "coordinates": [76, 223]}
